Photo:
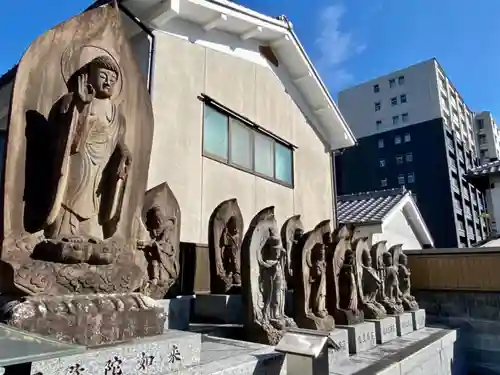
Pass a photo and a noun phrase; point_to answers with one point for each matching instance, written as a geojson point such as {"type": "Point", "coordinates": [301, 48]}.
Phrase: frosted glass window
{"type": "Point", "coordinates": [241, 144]}
{"type": "Point", "coordinates": [215, 133]}
{"type": "Point", "coordinates": [264, 155]}
{"type": "Point", "coordinates": [283, 160]}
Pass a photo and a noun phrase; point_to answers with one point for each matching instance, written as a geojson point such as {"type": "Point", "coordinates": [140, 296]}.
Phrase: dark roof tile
{"type": "Point", "coordinates": [368, 207]}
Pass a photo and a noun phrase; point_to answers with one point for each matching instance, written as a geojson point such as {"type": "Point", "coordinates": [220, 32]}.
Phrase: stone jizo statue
{"type": "Point", "coordinates": [370, 282]}
{"type": "Point", "coordinates": [309, 259]}
{"type": "Point", "coordinates": [392, 301]}
{"type": "Point", "coordinates": [263, 280]}
{"type": "Point", "coordinates": [344, 300]}
{"type": "Point", "coordinates": [291, 233]}
{"type": "Point", "coordinates": [224, 242]}
{"type": "Point", "coordinates": [401, 261]}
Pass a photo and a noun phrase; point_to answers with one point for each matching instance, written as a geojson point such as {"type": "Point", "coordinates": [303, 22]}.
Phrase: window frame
{"type": "Point", "coordinates": [377, 106]}
{"type": "Point", "coordinates": [409, 157]}
{"type": "Point", "coordinates": [381, 143]}
{"type": "Point", "coordinates": [382, 163]}
{"type": "Point", "coordinates": [407, 138]}
{"type": "Point", "coordinates": [392, 83]}
{"type": "Point", "coordinates": [376, 88]}
{"type": "Point", "coordinates": [403, 98]}
{"type": "Point", "coordinates": [412, 175]}
{"type": "Point", "coordinates": [405, 117]}
{"type": "Point", "coordinates": [395, 120]}
{"type": "Point", "coordinates": [399, 159]}
{"type": "Point", "coordinates": [401, 80]}
{"type": "Point", "coordinates": [394, 101]}
{"type": "Point", "coordinates": [254, 128]}
{"type": "Point", "coordinates": [396, 137]}
{"type": "Point", "coordinates": [383, 182]}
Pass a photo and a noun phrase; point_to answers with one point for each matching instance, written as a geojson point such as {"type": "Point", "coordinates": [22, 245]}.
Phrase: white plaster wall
{"type": "Point", "coordinates": [182, 71]}
{"type": "Point", "coordinates": [420, 87]}
{"type": "Point", "coordinates": [397, 230]}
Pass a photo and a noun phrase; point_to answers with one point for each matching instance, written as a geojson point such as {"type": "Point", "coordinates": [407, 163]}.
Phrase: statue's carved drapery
{"type": "Point", "coordinates": [225, 232]}
{"type": "Point", "coordinates": [263, 280]}
{"type": "Point", "coordinates": [309, 260]}
{"type": "Point", "coordinates": [343, 293]}
{"type": "Point", "coordinates": [291, 232]}
{"type": "Point", "coordinates": [161, 219]}
{"type": "Point", "coordinates": [369, 281]}
{"type": "Point", "coordinates": [401, 262]}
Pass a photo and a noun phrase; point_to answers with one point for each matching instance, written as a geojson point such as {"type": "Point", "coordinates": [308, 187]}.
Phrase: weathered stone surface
{"type": "Point", "coordinates": [343, 287]}
{"type": "Point", "coordinates": [263, 280]}
{"type": "Point", "coordinates": [78, 149]}
{"type": "Point", "coordinates": [418, 318]}
{"type": "Point", "coordinates": [361, 336]}
{"type": "Point", "coordinates": [404, 323]}
{"type": "Point", "coordinates": [90, 319]}
{"type": "Point", "coordinates": [404, 278]}
{"type": "Point", "coordinates": [341, 350]}
{"type": "Point", "coordinates": [370, 283]}
{"type": "Point", "coordinates": [309, 262]}
{"type": "Point", "coordinates": [159, 239]}
{"type": "Point", "coordinates": [164, 354]}
{"type": "Point", "coordinates": [291, 232]}
{"type": "Point", "coordinates": [385, 329]}
{"type": "Point", "coordinates": [225, 234]}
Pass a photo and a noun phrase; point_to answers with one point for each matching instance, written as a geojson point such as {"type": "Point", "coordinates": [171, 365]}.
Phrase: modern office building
{"type": "Point", "coordinates": [488, 137]}
{"type": "Point", "coordinates": [414, 129]}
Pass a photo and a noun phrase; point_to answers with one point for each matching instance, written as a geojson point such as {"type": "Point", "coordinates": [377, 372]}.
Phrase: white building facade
{"type": "Point", "coordinates": [488, 136]}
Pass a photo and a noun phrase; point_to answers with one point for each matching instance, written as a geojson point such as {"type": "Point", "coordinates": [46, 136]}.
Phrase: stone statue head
{"type": "Point", "coordinates": [349, 257]}
{"type": "Point", "coordinates": [319, 252]}
{"type": "Point", "coordinates": [403, 259]}
{"type": "Point", "coordinates": [366, 258]}
{"type": "Point", "coordinates": [232, 226]}
{"type": "Point", "coordinates": [274, 242]}
{"type": "Point", "coordinates": [387, 259]}
{"type": "Point", "coordinates": [102, 76]}
{"type": "Point", "coordinates": [157, 223]}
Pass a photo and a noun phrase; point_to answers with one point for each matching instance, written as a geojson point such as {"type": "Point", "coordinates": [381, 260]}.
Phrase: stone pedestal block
{"type": "Point", "coordinates": [418, 319]}
{"type": "Point", "coordinates": [219, 308]}
{"type": "Point", "coordinates": [404, 323]}
{"type": "Point", "coordinates": [162, 354]}
{"type": "Point", "coordinates": [340, 351]}
{"type": "Point", "coordinates": [87, 319]}
{"type": "Point", "coordinates": [177, 311]}
{"type": "Point", "coordinates": [361, 336]}
{"type": "Point", "coordinates": [385, 329]}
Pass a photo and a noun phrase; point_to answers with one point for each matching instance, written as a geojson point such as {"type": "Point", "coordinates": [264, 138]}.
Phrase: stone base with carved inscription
{"type": "Point", "coordinates": [361, 336]}
{"type": "Point", "coordinates": [385, 329]}
{"type": "Point", "coordinates": [404, 323]}
{"type": "Point", "coordinates": [88, 319]}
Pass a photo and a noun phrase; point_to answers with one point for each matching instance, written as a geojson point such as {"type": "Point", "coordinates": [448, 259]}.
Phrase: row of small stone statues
{"type": "Point", "coordinates": [335, 277]}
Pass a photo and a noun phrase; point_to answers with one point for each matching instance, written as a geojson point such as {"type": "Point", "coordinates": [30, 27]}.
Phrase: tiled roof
{"type": "Point", "coordinates": [485, 169]}
{"type": "Point", "coordinates": [368, 207]}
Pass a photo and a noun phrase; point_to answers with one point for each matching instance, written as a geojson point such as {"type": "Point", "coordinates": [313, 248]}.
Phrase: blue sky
{"type": "Point", "coordinates": [350, 41]}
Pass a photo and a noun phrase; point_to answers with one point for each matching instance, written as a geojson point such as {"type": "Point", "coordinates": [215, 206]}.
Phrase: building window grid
{"type": "Point", "coordinates": [401, 179]}
{"type": "Point", "coordinates": [402, 98]}
{"type": "Point", "coordinates": [392, 83]}
{"type": "Point", "coordinates": [397, 139]}
{"type": "Point", "coordinates": [411, 178]}
{"type": "Point", "coordinates": [376, 88]}
{"type": "Point", "coordinates": [409, 157]}
{"type": "Point", "coordinates": [225, 137]}
{"type": "Point", "coordinates": [377, 106]}
{"type": "Point", "coordinates": [399, 159]}
{"type": "Point", "coordinates": [407, 137]}
{"type": "Point", "coordinates": [394, 101]}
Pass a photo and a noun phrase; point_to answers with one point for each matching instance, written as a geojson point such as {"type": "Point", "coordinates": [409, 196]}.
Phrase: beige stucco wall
{"type": "Point", "coordinates": [184, 70]}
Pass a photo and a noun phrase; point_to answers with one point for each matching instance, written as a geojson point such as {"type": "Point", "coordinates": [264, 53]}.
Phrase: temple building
{"type": "Point", "coordinates": [386, 215]}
